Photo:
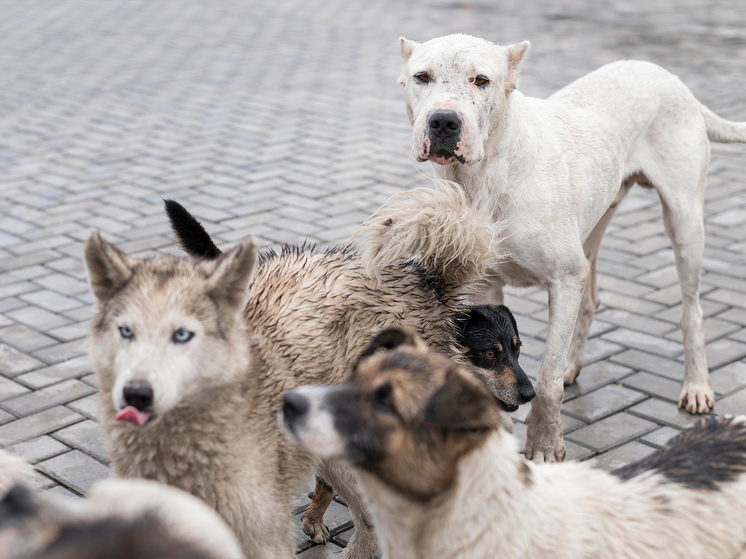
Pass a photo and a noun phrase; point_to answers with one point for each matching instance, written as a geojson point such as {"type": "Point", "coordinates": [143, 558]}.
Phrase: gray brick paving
{"type": "Point", "coordinates": [285, 121]}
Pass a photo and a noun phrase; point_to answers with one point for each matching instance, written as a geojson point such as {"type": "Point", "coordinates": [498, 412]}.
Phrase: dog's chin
{"type": "Point", "coordinates": [510, 408]}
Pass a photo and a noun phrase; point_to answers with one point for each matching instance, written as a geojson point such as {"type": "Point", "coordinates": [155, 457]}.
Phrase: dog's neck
{"type": "Point", "coordinates": [454, 524]}
{"type": "Point", "coordinates": [507, 159]}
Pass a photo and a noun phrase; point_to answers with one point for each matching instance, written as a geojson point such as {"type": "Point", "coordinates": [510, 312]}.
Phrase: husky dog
{"type": "Point", "coordinates": [552, 172]}
{"type": "Point", "coordinates": [120, 519]}
{"type": "Point", "coordinates": [444, 481]}
{"type": "Point", "coordinates": [193, 356]}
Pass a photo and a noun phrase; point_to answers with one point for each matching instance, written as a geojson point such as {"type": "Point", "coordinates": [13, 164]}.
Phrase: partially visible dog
{"type": "Point", "coordinates": [13, 470]}
{"type": "Point", "coordinates": [193, 355]}
{"type": "Point", "coordinates": [444, 481]}
{"type": "Point", "coordinates": [120, 519]}
{"type": "Point", "coordinates": [552, 173]}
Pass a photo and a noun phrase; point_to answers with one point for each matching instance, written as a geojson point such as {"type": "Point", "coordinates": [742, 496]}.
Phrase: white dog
{"type": "Point", "coordinates": [552, 173]}
{"type": "Point", "coordinates": [444, 481]}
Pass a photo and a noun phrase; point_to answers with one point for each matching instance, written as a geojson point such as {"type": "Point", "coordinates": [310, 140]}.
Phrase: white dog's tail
{"type": "Point", "coordinates": [721, 130]}
{"type": "Point", "coordinates": [439, 227]}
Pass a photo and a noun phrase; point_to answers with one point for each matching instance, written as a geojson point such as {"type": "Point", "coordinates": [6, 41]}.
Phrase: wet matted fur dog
{"type": "Point", "coordinates": [444, 481]}
{"type": "Point", "coordinates": [119, 519]}
{"type": "Point", "coordinates": [193, 355]}
{"type": "Point", "coordinates": [552, 173]}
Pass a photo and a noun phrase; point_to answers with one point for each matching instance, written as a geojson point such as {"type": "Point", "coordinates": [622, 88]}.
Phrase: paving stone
{"type": "Point", "coordinates": [14, 362]}
{"type": "Point", "coordinates": [645, 342]}
{"type": "Point", "coordinates": [721, 352]}
{"type": "Point", "coordinates": [664, 413]}
{"type": "Point", "coordinates": [577, 452]}
{"type": "Point", "coordinates": [647, 362]}
{"type": "Point", "coordinates": [40, 378]}
{"type": "Point", "coordinates": [654, 385]}
{"type": "Point", "coordinates": [660, 436]}
{"type": "Point", "coordinates": [9, 389]}
{"type": "Point", "coordinates": [597, 348]}
{"type": "Point", "coordinates": [89, 437]}
{"type": "Point", "coordinates": [74, 469]}
{"type": "Point", "coordinates": [714, 329]}
{"type": "Point", "coordinates": [38, 449]}
{"type": "Point", "coordinates": [634, 321]}
{"type": "Point", "coordinates": [621, 456]}
{"type": "Point", "coordinates": [612, 431]}
{"type": "Point", "coordinates": [734, 404]}
{"type": "Point", "coordinates": [596, 375]}
{"type": "Point", "coordinates": [602, 402]}
{"type": "Point", "coordinates": [36, 425]}
{"type": "Point", "coordinates": [87, 406]}
{"type": "Point", "coordinates": [730, 378]}
{"type": "Point", "coordinates": [48, 397]}
{"type": "Point", "coordinates": [24, 338]}
{"type": "Point", "coordinates": [322, 551]}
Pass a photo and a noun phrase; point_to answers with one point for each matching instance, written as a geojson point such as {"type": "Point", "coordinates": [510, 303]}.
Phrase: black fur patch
{"type": "Point", "coordinates": [711, 452]}
{"type": "Point", "coordinates": [189, 232]}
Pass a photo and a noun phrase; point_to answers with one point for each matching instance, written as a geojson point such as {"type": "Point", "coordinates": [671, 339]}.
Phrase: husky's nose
{"type": "Point", "coordinates": [444, 124]}
{"type": "Point", "coordinates": [294, 405]}
{"type": "Point", "coordinates": [139, 395]}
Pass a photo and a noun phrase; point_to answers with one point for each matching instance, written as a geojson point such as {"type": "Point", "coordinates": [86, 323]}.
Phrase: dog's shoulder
{"type": "Point", "coordinates": [711, 452]}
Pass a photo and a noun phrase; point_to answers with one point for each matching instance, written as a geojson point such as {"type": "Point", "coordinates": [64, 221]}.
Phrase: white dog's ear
{"type": "Point", "coordinates": [515, 55]}
{"type": "Point", "coordinates": [108, 267]}
{"type": "Point", "coordinates": [232, 276]}
{"type": "Point", "coordinates": [407, 47]}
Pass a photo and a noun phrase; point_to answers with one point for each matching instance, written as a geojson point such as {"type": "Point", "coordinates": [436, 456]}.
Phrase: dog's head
{"type": "Point", "coordinates": [167, 329]}
{"type": "Point", "coordinates": [406, 416]}
{"type": "Point", "coordinates": [456, 90]}
{"type": "Point", "coordinates": [490, 335]}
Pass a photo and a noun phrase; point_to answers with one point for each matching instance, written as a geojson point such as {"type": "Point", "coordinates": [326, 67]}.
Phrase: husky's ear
{"type": "Point", "coordinates": [515, 55]}
{"type": "Point", "coordinates": [230, 281]}
{"type": "Point", "coordinates": [463, 404]}
{"type": "Point", "coordinates": [108, 267]}
{"type": "Point", "coordinates": [407, 47]}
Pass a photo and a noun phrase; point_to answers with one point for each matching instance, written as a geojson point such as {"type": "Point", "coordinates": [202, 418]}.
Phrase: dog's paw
{"type": "Point", "coordinates": [544, 441]}
{"type": "Point", "coordinates": [697, 398]}
{"type": "Point", "coordinates": [315, 529]}
{"type": "Point", "coordinates": [572, 370]}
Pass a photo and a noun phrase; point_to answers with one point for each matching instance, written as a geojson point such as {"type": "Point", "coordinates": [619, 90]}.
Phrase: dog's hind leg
{"type": "Point", "coordinates": [313, 519]}
{"type": "Point", "coordinates": [363, 544]}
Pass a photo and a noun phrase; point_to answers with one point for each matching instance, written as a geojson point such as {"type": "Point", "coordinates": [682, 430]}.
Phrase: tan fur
{"type": "Point", "coordinates": [308, 314]}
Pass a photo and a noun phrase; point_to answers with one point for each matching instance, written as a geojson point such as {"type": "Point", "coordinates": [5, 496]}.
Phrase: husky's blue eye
{"type": "Point", "coordinates": [182, 336]}
{"type": "Point", "coordinates": [126, 333]}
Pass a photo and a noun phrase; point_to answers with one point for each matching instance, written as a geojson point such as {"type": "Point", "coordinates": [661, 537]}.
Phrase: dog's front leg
{"type": "Point", "coordinates": [544, 437]}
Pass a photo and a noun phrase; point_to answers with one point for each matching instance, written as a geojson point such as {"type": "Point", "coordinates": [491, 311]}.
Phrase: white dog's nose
{"type": "Point", "coordinates": [444, 124]}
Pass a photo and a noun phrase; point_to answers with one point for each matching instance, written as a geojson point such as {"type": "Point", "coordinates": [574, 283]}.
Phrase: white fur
{"type": "Point", "coordinates": [552, 172]}
{"type": "Point", "coordinates": [565, 511]}
{"type": "Point", "coordinates": [316, 433]}
{"type": "Point", "coordinates": [13, 469]}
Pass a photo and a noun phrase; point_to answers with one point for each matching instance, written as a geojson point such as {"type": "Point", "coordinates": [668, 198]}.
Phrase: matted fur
{"type": "Point", "coordinates": [444, 481]}
{"type": "Point", "coordinates": [305, 317]}
{"type": "Point", "coordinates": [119, 519]}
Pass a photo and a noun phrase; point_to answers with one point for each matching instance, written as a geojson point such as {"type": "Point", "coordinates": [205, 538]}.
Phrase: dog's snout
{"type": "Point", "coordinates": [139, 395]}
{"type": "Point", "coordinates": [444, 123]}
{"type": "Point", "coordinates": [526, 393]}
{"type": "Point", "coordinates": [294, 405]}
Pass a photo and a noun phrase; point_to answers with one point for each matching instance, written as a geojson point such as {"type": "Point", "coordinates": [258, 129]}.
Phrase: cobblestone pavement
{"type": "Point", "coordinates": [284, 120]}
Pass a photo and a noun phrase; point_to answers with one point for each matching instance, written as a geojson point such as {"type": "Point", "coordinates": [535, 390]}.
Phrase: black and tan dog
{"type": "Point", "coordinates": [445, 481]}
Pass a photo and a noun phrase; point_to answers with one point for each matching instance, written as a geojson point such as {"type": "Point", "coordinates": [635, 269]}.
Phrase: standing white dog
{"type": "Point", "coordinates": [552, 173]}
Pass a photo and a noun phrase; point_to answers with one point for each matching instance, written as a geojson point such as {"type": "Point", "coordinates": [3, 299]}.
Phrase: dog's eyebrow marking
{"type": "Point", "coordinates": [711, 452]}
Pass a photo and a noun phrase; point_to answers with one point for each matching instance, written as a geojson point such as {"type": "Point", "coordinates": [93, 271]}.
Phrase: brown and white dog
{"type": "Point", "coordinates": [552, 172]}
{"type": "Point", "coordinates": [444, 481]}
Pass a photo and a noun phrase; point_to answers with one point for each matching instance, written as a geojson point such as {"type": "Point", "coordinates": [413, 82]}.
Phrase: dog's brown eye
{"type": "Point", "coordinates": [382, 397]}
{"type": "Point", "coordinates": [422, 77]}
{"type": "Point", "coordinates": [489, 354]}
{"type": "Point", "coordinates": [481, 80]}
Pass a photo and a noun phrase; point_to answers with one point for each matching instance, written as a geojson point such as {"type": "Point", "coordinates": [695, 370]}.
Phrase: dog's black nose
{"type": "Point", "coordinates": [444, 123]}
{"type": "Point", "coordinates": [526, 393]}
{"type": "Point", "coordinates": [139, 395]}
{"type": "Point", "coordinates": [294, 405]}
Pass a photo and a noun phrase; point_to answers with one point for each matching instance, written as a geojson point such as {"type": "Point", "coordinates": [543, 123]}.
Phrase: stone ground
{"type": "Point", "coordinates": [283, 120]}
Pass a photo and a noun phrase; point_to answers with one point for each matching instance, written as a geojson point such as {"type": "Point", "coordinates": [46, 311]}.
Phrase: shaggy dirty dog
{"type": "Point", "coordinates": [193, 356]}
{"type": "Point", "coordinates": [445, 481]}
{"type": "Point", "coordinates": [552, 172]}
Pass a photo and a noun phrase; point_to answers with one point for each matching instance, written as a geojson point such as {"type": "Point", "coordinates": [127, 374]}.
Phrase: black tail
{"type": "Point", "coordinates": [190, 234]}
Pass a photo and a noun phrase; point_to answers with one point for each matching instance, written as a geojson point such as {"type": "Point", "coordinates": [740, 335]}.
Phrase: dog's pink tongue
{"type": "Point", "coordinates": [133, 415]}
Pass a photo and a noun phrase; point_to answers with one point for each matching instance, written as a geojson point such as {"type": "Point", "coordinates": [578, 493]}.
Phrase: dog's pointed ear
{"type": "Point", "coordinates": [407, 47]}
{"type": "Point", "coordinates": [515, 53]}
{"type": "Point", "coordinates": [108, 267]}
{"type": "Point", "coordinates": [463, 403]}
{"type": "Point", "coordinates": [388, 340]}
{"type": "Point", "coordinates": [506, 310]}
{"type": "Point", "coordinates": [229, 282]}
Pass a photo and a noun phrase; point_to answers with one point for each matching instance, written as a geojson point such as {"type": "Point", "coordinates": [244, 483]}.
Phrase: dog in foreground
{"type": "Point", "coordinates": [444, 480]}
{"type": "Point", "coordinates": [119, 519]}
{"type": "Point", "coordinates": [193, 356]}
{"type": "Point", "coordinates": [552, 173]}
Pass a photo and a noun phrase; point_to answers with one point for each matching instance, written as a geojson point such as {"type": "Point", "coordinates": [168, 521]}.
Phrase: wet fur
{"type": "Point", "coordinates": [445, 482]}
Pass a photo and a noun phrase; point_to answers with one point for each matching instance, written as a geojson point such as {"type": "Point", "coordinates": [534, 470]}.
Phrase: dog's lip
{"type": "Point", "coordinates": [510, 408]}
{"type": "Point", "coordinates": [440, 160]}
{"type": "Point", "coordinates": [130, 414]}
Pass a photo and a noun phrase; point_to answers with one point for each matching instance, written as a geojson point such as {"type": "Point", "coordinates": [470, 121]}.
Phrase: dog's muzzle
{"type": "Point", "coordinates": [444, 128]}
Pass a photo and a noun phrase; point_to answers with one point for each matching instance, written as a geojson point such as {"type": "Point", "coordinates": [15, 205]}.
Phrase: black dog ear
{"type": "Point", "coordinates": [463, 404]}
{"type": "Point", "coordinates": [471, 317]}
{"type": "Point", "coordinates": [388, 340]}
{"type": "Point", "coordinates": [18, 502]}
{"type": "Point", "coordinates": [510, 316]}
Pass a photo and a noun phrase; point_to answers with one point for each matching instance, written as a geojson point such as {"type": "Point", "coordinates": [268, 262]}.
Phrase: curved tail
{"type": "Point", "coordinates": [439, 227]}
{"type": "Point", "coordinates": [190, 234]}
{"type": "Point", "coordinates": [721, 130]}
